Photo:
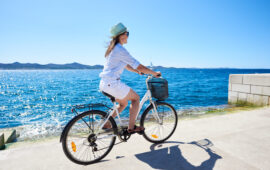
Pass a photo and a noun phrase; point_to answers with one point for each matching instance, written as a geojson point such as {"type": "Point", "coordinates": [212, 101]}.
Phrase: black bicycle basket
{"type": "Point", "coordinates": [158, 88]}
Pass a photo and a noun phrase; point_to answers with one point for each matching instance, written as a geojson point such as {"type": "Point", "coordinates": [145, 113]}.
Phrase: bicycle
{"type": "Point", "coordinates": [85, 141]}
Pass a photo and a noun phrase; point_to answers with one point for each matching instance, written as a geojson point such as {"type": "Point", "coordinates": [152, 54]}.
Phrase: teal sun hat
{"type": "Point", "coordinates": [117, 30]}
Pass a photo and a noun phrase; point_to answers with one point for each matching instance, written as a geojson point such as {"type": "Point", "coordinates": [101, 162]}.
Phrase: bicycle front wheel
{"type": "Point", "coordinates": [161, 125]}
{"type": "Point", "coordinates": [83, 143]}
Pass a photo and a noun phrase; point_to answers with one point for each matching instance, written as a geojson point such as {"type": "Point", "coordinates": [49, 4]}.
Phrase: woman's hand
{"type": "Point", "coordinates": [157, 74]}
{"type": "Point", "coordinates": [146, 70]}
{"type": "Point", "coordinates": [140, 73]}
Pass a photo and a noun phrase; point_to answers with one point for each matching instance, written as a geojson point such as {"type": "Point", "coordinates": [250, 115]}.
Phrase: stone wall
{"type": "Point", "coordinates": [251, 88]}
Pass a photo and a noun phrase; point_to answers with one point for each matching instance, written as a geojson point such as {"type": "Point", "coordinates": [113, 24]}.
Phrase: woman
{"type": "Point", "coordinates": [118, 59]}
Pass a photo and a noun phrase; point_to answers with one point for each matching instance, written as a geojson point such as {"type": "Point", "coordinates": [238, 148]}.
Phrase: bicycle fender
{"type": "Point", "coordinates": [64, 131]}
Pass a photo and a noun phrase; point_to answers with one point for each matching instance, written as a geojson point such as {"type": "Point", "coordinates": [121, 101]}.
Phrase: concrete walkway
{"type": "Point", "coordinates": [239, 141]}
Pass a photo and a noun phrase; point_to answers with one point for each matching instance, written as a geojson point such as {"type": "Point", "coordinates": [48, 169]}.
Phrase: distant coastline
{"type": "Point", "coordinates": [36, 66]}
{"type": "Point", "coordinates": [51, 66]}
{"type": "Point", "coordinates": [75, 65]}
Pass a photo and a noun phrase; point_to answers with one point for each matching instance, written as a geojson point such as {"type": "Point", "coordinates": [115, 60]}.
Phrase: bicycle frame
{"type": "Point", "coordinates": [82, 138]}
{"type": "Point", "coordinates": [147, 96]}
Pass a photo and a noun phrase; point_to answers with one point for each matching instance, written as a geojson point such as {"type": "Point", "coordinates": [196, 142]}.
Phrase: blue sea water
{"type": "Point", "coordinates": [40, 101]}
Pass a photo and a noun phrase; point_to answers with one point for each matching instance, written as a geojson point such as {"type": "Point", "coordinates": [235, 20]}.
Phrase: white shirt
{"type": "Point", "coordinates": [116, 63]}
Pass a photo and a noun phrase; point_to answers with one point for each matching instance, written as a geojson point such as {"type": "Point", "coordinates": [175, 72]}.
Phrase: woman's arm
{"type": "Point", "coordinates": [129, 68]}
{"type": "Point", "coordinates": [146, 70]}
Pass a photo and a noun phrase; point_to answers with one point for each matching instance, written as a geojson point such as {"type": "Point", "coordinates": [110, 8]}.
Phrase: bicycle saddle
{"type": "Point", "coordinates": [110, 96]}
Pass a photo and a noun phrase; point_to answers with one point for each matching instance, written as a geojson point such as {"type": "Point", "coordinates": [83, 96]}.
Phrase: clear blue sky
{"type": "Point", "coordinates": [190, 33]}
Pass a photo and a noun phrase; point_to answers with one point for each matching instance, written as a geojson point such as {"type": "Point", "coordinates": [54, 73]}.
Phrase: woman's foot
{"type": "Point", "coordinates": [136, 129]}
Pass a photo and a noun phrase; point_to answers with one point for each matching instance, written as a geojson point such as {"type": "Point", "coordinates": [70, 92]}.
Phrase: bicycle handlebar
{"type": "Point", "coordinates": [150, 75]}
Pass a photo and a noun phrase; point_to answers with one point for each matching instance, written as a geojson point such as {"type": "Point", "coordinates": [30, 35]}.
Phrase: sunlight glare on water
{"type": "Point", "coordinates": [38, 102]}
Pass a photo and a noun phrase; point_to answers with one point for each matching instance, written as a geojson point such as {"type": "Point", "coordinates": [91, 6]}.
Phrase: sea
{"type": "Point", "coordinates": [38, 103]}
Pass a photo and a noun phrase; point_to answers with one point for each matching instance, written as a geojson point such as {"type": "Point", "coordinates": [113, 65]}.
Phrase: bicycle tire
{"type": "Point", "coordinates": [69, 151]}
{"type": "Point", "coordinates": [147, 118]}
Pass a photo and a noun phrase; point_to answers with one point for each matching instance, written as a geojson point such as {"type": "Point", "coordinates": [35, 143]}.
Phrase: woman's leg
{"type": "Point", "coordinates": [133, 110]}
{"type": "Point", "coordinates": [134, 107]}
{"type": "Point", "coordinates": [122, 105]}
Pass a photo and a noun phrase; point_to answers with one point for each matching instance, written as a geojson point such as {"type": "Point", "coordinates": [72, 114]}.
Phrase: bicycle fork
{"type": "Point", "coordinates": [156, 116]}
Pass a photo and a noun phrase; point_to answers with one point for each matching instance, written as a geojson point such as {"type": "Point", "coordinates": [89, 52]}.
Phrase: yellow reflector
{"type": "Point", "coordinates": [155, 136]}
{"type": "Point", "coordinates": [73, 146]}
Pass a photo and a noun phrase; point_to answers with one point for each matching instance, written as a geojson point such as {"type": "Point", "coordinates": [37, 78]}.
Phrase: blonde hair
{"type": "Point", "coordinates": [113, 42]}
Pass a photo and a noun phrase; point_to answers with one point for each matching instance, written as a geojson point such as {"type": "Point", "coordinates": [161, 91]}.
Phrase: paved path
{"type": "Point", "coordinates": [239, 141]}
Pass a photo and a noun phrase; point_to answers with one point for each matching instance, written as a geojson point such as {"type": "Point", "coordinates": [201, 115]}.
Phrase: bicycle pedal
{"type": "Point", "coordinates": [131, 133]}
{"type": "Point", "coordinates": [123, 127]}
{"type": "Point", "coordinates": [141, 132]}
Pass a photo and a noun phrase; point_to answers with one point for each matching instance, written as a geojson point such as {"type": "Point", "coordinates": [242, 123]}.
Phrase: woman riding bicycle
{"type": "Point", "coordinates": [118, 59]}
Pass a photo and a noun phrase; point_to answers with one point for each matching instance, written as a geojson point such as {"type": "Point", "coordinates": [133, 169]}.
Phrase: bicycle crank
{"type": "Point", "coordinates": [124, 135]}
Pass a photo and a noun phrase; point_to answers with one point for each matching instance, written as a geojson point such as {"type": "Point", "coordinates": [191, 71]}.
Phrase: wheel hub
{"type": "Point", "coordinates": [92, 139]}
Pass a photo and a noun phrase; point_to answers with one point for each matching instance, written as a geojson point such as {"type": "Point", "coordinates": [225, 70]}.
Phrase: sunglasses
{"type": "Point", "coordinates": [127, 33]}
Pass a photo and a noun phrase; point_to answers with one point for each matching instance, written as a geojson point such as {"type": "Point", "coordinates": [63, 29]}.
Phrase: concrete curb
{"type": "Point", "coordinates": [2, 142]}
{"type": "Point", "coordinates": [11, 137]}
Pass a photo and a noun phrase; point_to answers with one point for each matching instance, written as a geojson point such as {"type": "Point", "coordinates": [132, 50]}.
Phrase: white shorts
{"type": "Point", "coordinates": [115, 88]}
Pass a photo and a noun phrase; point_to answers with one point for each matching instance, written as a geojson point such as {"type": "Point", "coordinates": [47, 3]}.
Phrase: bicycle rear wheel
{"type": "Point", "coordinates": [159, 130]}
{"type": "Point", "coordinates": [81, 142]}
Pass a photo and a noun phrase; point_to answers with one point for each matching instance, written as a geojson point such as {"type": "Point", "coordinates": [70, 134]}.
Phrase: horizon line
{"type": "Point", "coordinates": [147, 66]}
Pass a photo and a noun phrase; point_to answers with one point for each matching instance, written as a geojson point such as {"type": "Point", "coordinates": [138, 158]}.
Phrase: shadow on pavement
{"type": "Point", "coordinates": [171, 158]}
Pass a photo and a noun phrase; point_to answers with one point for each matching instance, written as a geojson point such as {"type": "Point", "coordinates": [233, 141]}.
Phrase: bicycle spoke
{"type": "Point", "coordinates": [89, 151]}
{"type": "Point", "coordinates": [153, 129]}
{"type": "Point", "coordinates": [83, 153]}
{"type": "Point", "coordinates": [85, 123]}
{"type": "Point", "coordinates": [81, 126]}
{"type": "Point", "coordinates": [158, 132]}
{"type": "Point", "coordinates": [76, 136]}
{"type": "Point", "coordinates": [162, 132]}
{"type": "Point", "coordinates": [102, 142]}
{"type": "Point", "coordinates": [78, 150]}
{"type": "Point", "coordinates": [166, 125]}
